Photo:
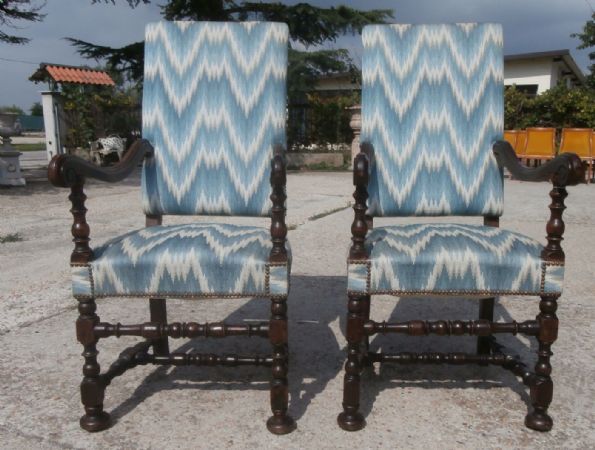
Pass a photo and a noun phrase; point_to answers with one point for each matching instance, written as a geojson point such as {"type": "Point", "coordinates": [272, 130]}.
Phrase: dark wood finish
{"type": "Point", "coordinates": [452, 327]}
{"type": "Point", "coordinates": [351, 419]}
{"type": "Point", "coordinates": [156, 330]}
{"type": "Point", "coordinates": [280, 422]}
{"type": "Point", "coordinates": [158, 311]}
{"type": "Point", "coordinates": [564, 170]}
{"type": "Point", "coordinates": [555, 226]}
{"type": "Point", "coordinates": [70, 171]}
{"type": "Point", "coordinates": [486, 305]}
{"type": "Point", "coordinates": [359, 227]}
{"type": "Point", "coordinates": [92, 386]}
{"type": "Point", "coordinates": [278, 210]}
{"type": "Point", "coordinates": [67, 170]}
{"type": "Point", "coordinates": [82, 253]}
{"type": "Point", "coordinates": [541, 388]}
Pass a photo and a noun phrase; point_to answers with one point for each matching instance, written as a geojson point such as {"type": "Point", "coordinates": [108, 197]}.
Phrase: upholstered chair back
{"type": "Point", "coordinates": [432, 106]}
{"type": "Point", "coordinates": [214, 109]}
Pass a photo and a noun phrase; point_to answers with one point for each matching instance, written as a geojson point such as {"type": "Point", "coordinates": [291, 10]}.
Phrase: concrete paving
{"type": "Point", "coordinates": [405, 406]}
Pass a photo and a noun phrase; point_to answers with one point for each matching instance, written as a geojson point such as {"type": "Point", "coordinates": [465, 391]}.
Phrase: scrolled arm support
{"type": "Point", "coordinates": [361, 176]}
{"type": "Point", "coordinates": [278, 198]}
{"type": "Point", "coordinates": [564, 170]}
{"type": "Point", "coordinates": [69, 170]}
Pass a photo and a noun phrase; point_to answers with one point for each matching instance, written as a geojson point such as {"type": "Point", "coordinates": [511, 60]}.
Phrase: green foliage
{"type": "Point", "coordinates": [12, 109]}
{"type": "Point", "coordinates": [18, 10]}
{"type": "Point", "coordinates": [36, 109]}
{"type": "Point", "coordinates": [308, 25]}
{"type": "Point", "coordinates": [558, 107]}
{"type": "Point", "coordinates": [98, 111]}
{"type": "Point", "coordinates": [587, 38]}
{"type": "Point", "coordinates": [330, 119]}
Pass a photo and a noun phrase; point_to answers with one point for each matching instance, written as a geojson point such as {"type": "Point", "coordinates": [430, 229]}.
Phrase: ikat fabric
{"type": "Point", "coordinates": [187, 261]}
{"type": "Point", "coordinates": [214, 107]}
{"type": "Point", "coordinates": [445, 259]}
{"type": "Point", "coordinates": [432, 106]}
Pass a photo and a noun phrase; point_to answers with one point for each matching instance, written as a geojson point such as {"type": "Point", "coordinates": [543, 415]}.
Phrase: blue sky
{"type": "Point", "coordinates": [529, 26]}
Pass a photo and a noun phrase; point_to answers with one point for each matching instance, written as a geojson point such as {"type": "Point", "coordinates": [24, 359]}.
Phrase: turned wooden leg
{"type": "Point", "coordinates": [280, 422]}
{"type": "Point", "coordinates": [158, 309]}
{"type": "Point", "coordinates": [486, 312]}
{"type": "Point", "coordinates": [351, 419]}
{"type": "Point", "coordinates": [366, 314]}
{"type": "Point", "coordinates": [542, 387]}
{"type": "Point", "coordinates": [92, 386]}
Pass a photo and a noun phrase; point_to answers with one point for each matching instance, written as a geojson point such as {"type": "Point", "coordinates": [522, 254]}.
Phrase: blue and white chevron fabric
{"type": "Point", "coordinates": [452, 259]}
{"type": "Point", "coordinates": [214, 108]}
{"type": "Point", "coordinates": [187, 261]}
{"type": "Point", "coordinates": [432, 106]}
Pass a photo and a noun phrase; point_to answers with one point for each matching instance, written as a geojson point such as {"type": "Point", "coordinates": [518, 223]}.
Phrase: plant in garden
{"type": "Point", "coordinates": [587, 38]}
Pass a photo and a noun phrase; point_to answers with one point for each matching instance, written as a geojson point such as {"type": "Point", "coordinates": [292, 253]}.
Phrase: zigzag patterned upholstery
{"type": "Point", "coordinates": [190, 260]}
{"type": "Point", "coordinates": [432, 105]}
{"type": "Point", "coordinates": [444, 259]}
{"type": "Point", "coordinates": [213, 108]}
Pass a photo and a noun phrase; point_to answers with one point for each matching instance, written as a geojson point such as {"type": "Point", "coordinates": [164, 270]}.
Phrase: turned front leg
{"type": "Point", "coordinates": [92, 386]}
{"type": "Point", "coordinates": [280, 422]}
{"type": "Point", "coordinates": [351, 419]}
{"type": "Point", "coordinates": [542, 387]}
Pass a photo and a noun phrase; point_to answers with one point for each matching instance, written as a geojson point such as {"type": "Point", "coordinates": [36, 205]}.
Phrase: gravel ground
{"type": "Point", "coordinates": [420, 407]}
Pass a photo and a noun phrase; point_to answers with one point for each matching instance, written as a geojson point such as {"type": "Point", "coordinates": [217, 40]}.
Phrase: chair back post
{"type": "Point", "coordinates": [153, 220]}
{"type": "Point", "coordinates": [359, 227]}
{"type": "Point", "coordinates": [278, 210]}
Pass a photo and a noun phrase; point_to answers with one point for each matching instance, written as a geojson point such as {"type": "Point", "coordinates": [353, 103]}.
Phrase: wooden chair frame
{"type": "Point", "coordinates": [564, 170]}
{"type": "Point", "coordinates": [70, 171]}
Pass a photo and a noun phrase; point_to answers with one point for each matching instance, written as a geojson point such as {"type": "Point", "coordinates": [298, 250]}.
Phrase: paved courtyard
{"type": "Point", "coordinates": [405, 406]}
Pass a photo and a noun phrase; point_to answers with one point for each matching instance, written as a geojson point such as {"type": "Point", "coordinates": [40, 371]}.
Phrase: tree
{"type": "Point", "coordinates": [308, 25]}
{"type": "Point", "coordinates": [12, 109]}
{"type": "Point", "coordinates": [17, 10]}
{"type": "Point", "coordinates": [36, 109]}
{"type": "Point", "coordinates": [587, 38]}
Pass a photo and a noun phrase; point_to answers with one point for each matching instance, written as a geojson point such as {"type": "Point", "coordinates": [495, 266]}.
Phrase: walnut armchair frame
{"type": "Point", "coordinates": [71, 172]}
{"type": "Point", "coordinates": [564, 170]}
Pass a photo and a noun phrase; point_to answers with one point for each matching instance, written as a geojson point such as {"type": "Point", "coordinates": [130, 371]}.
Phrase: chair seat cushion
{"type": "Point", "coordinates": [452, 259]}
{"type": "Point", "coordinates": [191, 260]}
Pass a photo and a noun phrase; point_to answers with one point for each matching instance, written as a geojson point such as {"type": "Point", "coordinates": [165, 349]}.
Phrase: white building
{"type": "Point", "coordinates": [534, 73]}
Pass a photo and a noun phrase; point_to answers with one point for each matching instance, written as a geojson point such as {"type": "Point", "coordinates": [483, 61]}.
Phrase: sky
{"type": "Point", "coordinates": [529, 26]}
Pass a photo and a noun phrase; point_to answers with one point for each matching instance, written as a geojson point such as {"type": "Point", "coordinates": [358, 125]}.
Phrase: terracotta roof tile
{"type": "Point", "coordinates": [76, 75]}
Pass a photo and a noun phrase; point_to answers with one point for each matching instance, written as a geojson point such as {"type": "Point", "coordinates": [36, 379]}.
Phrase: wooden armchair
{"type": "Point", "coordinates": [214, 132]}
{"type": "Point", "coordinates": [427, 150]}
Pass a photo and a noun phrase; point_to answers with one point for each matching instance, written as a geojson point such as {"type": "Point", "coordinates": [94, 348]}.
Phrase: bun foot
{"type": "Point", "coordinates": [281, 424]}
{"type": "Point", "coordinates": [351, 422]}
{"type": "Point", "coordinates": [97, 422]}
{"type": "Point", "coordinates": [539, 421]}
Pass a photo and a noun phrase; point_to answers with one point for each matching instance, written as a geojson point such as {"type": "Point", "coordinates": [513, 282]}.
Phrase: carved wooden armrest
{"type": "Point", "coordinates": [71, 171]}
{"type": "Point", "coordinates": [278, 197]}
{"type": "Point", "coordinates": [564, 170]}
{"type": "Point", "coordinates": [68, 170]}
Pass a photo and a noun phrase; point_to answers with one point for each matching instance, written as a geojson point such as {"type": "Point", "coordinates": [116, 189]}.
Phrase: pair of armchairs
{"type": "Point", "coordinates": [214, 134]}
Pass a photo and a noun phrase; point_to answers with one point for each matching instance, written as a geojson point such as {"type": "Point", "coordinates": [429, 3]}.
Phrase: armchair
{"type": "Point", "coordinates": [214, 131]}
{"type": "Point", "coordinates": [432, 108]}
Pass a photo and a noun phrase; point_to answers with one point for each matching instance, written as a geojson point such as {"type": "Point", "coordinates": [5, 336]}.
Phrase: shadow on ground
{"type": "Point", "coordinates": [316, 306]}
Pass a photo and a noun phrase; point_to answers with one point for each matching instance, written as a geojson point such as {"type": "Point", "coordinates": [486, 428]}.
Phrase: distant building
{"type": "Point", "coordinates": [532, 73]}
